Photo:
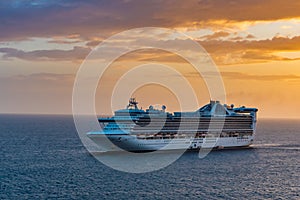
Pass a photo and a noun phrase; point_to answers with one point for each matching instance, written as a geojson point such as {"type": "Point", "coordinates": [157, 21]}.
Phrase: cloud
{"type": "Point", "coordinates": [271, 77]}
{"type": "Point", "coordinates": [77, 53]}
{"type": "Point", "coordinates": [237, 38]}
{"type": "Point", "coordinates": [216, 35]}
{"type": "Point", "coordinates": [248, 77]}
{"type": "Point", "coordinates": [238, 10]}
{"type": "Point", "coordinates": [64, 41]}
{"type": "Point", "coordinates": [228, 52]}
{"type": "Point", "coordinates": [250, 36]}
{"type": "Point", "coordinates": [240, 38]}
{"type": "Point", "coordinates": [24, 19]}
{"type": "Point", "coordinates": [47, 77]}
{"type": "Point", "coordinates": [250, 51]}
{"type": "Point", "coordinates": [93, 43]}
{"type": "Point", "coordinates": [274, 44]}
{"type": "Point", "coordinates": [86, 18]}
{"type": "Point", "coordinates": [235, 50]}
{"type": "Point", "coordinates": [258, 55]}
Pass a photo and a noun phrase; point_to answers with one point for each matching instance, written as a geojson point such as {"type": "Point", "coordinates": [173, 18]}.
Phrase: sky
{"type": "Point", "coordinates": [254, 44]}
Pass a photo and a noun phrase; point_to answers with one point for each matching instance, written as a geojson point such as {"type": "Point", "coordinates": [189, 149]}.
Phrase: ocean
{"type": "Point", "coordinates": [42, 157]}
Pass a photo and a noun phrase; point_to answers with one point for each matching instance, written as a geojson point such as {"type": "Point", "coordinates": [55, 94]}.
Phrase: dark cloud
{"type": "Point", "coordinates": [62, 41]}
{"type": "Point", "coordinates": [274, 44]}
{"type": "Point", "coordinates": [216, 35]}
{"type": "Point", "coordinates": [249, 36]}
{"type": "Point", "coordinates": [93, 43]}
{"type": "Point", "coordinates": [77, 53]}
{"type": "Point", "coordinates": [86, 18]}
{"type": "Point", "coordinates": [237, 38]}
{"type": "Point", "coordinates": [24, 19]}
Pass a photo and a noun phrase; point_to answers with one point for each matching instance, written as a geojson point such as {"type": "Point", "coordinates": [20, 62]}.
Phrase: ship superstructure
{"type": "Point", "coordinates": [212, 126]}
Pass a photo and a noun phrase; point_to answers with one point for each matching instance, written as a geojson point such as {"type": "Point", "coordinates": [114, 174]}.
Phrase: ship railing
{"type": "Point", "coordinates": [149, 135]}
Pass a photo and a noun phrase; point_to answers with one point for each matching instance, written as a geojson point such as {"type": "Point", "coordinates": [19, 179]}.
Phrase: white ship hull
{"type": "Point", "coordinates": [132, 143]}
{"type": "Point", "coordinates": [134, 129]}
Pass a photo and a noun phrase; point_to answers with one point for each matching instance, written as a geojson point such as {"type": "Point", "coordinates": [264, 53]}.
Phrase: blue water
{"type": "Point", "coordinates": [42, 157]}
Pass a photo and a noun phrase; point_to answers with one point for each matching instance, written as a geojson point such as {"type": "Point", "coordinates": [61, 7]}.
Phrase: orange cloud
{"type": "Point", "coordinates": [87, 19]}
{"type": "Point", "coordinates": [245, 51]}
{"type": "Point", "coordinates": [239, 10]}
{"type": "Point", "coordinates": [216, 35]}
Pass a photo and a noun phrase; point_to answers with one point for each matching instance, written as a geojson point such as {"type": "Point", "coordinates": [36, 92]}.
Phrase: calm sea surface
{"type": "Point", "coordinates": [42, 157]}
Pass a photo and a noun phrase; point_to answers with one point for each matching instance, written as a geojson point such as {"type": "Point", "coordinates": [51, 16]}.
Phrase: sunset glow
{"type": "Point", "coordinates": [256, 49]}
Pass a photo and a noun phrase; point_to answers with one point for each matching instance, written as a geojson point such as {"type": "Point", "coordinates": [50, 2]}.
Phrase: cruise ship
{"type": "Point", "coordinates": [213, 126]}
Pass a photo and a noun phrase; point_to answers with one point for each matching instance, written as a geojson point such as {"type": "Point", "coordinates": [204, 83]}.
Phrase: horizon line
{"type": "Point", "coordinates": [71, 114]}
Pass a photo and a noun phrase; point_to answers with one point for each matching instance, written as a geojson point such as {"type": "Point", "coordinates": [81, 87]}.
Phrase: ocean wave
{"type": "Point", "coordinates": [276, 146]}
